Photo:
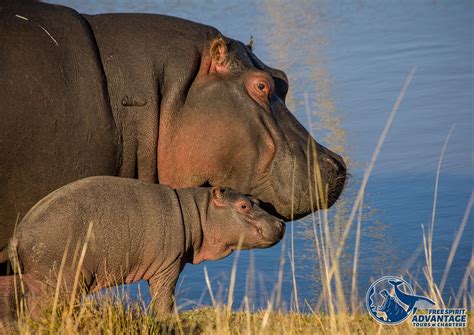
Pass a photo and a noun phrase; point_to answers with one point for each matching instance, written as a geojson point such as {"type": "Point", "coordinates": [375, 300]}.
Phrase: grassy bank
{"type": "Point", "coordinates": [108, 316]}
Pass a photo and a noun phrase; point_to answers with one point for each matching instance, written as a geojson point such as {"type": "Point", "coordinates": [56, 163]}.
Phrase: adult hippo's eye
{"type": "Point", "coordinates": [263, 88]}
{"type": "Point", "coordinates": [260, 87]}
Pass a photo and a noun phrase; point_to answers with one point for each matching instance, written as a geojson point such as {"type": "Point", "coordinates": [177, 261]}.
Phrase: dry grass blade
{"type": "Point", "coordinates": [433, 290]}
{"type": "Point", "coordinates": [58, 284]}
{"type": "Point", "coordinates": [454, 247]}
{"type": "Point", "coordinates": [79, 268]}
{"type": "Point", "coordinates": [354, 296]}
{"type": "Point", "coordinates": [208, 284]}
{"type": "Point", "coordinates": [292, 243]}
{"type": "Point", "coordinates": [230, 298]}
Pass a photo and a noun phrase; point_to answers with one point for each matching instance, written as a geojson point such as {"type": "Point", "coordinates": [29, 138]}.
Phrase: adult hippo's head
{"type": "Point", "coordinates": [235, 130]}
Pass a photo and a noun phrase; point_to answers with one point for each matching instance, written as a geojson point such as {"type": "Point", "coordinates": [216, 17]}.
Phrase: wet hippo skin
{"type": "Point", "coordinates": [138, 231]}
{"type": "Point", "coordinates": [150, 97]}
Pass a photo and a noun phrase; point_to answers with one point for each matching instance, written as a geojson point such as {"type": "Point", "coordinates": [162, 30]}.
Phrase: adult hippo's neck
{"type": "Point", "coordinates": [149, 63]}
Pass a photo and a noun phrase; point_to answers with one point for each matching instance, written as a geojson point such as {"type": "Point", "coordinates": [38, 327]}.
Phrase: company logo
{"type": "Point", "coordinates": [391, 300]}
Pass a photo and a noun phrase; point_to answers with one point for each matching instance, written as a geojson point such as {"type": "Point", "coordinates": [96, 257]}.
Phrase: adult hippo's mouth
{"type": "Point", "coordinates": [307, 198]}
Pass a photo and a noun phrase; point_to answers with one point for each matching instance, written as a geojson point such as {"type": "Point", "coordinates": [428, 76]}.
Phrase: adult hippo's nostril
{"type": "Point", "coordinates": [331, 162]}
{"type": "Point", "coordinates": [337, 163]}
{"type": "Point", "coordinates": [333, 177]}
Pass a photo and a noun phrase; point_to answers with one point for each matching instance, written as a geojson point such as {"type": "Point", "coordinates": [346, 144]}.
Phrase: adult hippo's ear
{"type": "Point", "coordinates": [219, 56]}
{"type": "Point", "coordinates": [218, 196]}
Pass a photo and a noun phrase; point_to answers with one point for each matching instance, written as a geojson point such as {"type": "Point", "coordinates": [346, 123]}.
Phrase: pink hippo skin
{"type": "Point", "coordinates": [139, 231]}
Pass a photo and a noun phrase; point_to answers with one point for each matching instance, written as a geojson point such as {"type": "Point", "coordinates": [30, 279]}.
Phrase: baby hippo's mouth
{"type": "Point", "coordinates": [270, 232]}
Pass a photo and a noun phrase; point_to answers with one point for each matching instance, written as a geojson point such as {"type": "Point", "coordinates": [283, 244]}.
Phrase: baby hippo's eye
{"type": "Point", "coordinates": [244, 206]}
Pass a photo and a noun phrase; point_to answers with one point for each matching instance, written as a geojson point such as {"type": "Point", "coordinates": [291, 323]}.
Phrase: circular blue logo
{"type": "Point", "coordinates": [390, 300]}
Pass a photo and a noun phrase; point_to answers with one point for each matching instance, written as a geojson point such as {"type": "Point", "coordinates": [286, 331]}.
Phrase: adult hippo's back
{"type": "Point", "coordinates": [151, 97]}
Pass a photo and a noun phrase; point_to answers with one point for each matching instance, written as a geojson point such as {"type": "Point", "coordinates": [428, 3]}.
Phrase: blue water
{"type": "Point", "coordinates": [351, 59]}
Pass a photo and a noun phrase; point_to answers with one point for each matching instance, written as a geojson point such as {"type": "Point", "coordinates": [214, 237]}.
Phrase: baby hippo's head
{"type": "Point", "coordinates": [232, 218]}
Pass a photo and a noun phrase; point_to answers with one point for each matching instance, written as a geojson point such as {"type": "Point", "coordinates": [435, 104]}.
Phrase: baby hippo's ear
{"type": "Point", "coordinates": [254, 200]}
{"type": "Point", "coordinates": [218, 196]}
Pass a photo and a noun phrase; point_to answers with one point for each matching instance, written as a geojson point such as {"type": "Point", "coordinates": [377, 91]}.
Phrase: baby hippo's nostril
{"type": "Point", "coordinates": [282, 226]}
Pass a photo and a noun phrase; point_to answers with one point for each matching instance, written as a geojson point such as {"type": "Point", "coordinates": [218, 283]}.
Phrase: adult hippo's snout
{"type": "Point", "coordinates": [325, 180]}
{"type": "Point", "coordinates": [305, 175]}
{"type": "Point", "coordinates": [333, 170]}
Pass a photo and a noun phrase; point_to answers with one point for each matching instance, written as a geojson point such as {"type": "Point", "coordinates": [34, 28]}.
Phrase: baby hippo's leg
{"type": "Point", "coordinates": [27, 291]}
{"type": "Point", "coordinates": [36, 295]}
{"type": "Point", "coordinates": [162, 286]}
{"type": "Point", "coordinates": [40, 293]}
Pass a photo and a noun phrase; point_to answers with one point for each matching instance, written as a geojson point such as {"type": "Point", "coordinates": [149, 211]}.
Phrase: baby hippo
{"type": "Point", "coordinates": [135, 230]}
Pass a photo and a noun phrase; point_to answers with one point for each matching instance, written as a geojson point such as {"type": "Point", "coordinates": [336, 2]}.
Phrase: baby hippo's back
{"type": "Point", "coordinates": [131, 224]}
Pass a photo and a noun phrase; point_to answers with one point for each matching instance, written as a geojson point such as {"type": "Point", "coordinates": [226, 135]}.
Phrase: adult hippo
{"type": "Point", "coordinates": [151, 97]}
